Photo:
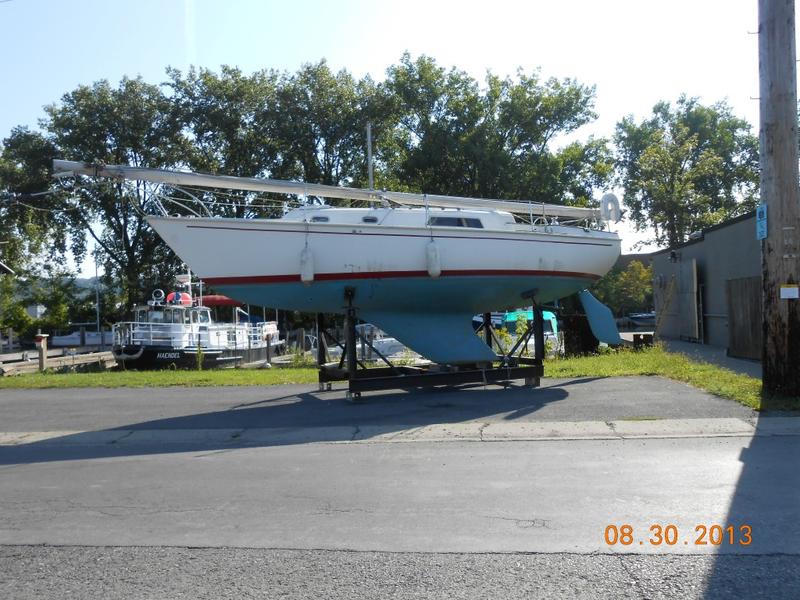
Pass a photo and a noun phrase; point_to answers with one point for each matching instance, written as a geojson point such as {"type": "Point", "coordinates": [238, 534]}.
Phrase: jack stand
{"type": "Point", "coordinates": [350, 342]}
{"type": "Point", "coordinates": [538, 343]}
{"type": "Point", "coordinates": [322, 350]}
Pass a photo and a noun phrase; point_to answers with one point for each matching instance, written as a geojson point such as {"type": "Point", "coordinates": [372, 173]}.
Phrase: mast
{"type": "Point", "coordinates": [63, 168]}
{"type": "Point", "coordinates": [371, 177]}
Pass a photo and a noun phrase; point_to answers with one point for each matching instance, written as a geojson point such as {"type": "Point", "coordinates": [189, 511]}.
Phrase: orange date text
{"type": "Point", "coordinates": [669, 535]}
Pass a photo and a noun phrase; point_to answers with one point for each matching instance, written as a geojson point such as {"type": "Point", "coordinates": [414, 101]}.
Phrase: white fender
{"type": "Point", "coordinates": [306, 266]}
{"type": "Point", "coordinates": [434, 259]}
{"type": "Point", "coordinates": [609, 208]}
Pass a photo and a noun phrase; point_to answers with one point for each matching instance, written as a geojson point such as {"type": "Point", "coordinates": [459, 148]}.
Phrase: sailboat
{"type": "Point", "coordinates": [419, 266]}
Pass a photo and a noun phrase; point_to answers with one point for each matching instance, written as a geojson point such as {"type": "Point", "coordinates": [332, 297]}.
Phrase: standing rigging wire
{"type": "Point", "coordinates": [50, 210]}
{"type": "Point", "coordinates": [256, 201]}
{"type": "Point", "coordinates": [16, 200]}
{"type": "Point", "coordinates": [72, 193]}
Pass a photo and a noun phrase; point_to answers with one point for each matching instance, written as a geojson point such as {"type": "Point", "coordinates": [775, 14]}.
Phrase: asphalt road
{"type": "Point", "coordinates": [584, 399]}
{"type": "Point", "coordinates": [287, 492]}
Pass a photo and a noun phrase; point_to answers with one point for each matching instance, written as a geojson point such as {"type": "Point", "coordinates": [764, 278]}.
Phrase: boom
{"type": "Point", "coordinates": [178, 178]}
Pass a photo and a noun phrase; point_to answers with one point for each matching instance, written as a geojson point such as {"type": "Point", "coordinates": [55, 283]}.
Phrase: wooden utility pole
{"type": "Point", "coordinates": [780, 191]}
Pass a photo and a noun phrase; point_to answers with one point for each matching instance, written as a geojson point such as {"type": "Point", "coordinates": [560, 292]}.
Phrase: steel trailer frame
{"type": "Point", "coordinates": [506, 367]}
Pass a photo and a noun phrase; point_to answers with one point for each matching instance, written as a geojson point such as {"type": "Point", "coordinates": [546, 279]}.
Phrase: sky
{"type": "Point", "coordinates": [635, 52]}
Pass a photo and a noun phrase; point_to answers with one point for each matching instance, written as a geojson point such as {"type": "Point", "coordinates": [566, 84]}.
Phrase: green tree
{"type": "Point", "coordinates": [321, 125]}
{"type": "Point", "coordinates": [30, 223]}
{"type": "Point", "coordinates": [56, 290]}
{"type": "Point", "coordinates": [12, 310]}
{"type": "Point", "coordinates": [31, 234]}
{"type": "Point", "coordinates": [686, 167]}
{"type": "Point", "coordinates": [458, 138]}
{"type": "Point", "coordinates": [626, 290]}
{"type": "Point", "coordinates": [231, 120]}
{"type": "Point", "coordinates": [133, 124]}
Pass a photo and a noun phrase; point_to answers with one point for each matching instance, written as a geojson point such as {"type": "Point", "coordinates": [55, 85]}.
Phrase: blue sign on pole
{"type": "Point", "coordinates": [761, 221]}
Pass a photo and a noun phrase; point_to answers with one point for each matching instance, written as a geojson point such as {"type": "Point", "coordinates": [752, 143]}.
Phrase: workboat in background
{"type": "Point", "coordinates": [176, 332]}
{"type": "Point", "coordinates": [418, 266]}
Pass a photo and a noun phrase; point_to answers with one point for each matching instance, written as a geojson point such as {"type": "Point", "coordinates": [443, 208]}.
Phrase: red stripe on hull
{"type": "Point", "coordinates": [293, 278]}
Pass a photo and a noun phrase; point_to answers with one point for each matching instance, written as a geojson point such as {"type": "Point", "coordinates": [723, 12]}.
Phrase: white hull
{"type": "Point", "coordinates": [305, 266]}
{"type": "Point", "coordinates": [232, 252]}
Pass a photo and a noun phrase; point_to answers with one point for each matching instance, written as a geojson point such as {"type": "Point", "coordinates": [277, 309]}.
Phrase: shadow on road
{"type": "Point", "coordinates": [304, 418]}
{"type": "Point", "coordinates": [765, 509]}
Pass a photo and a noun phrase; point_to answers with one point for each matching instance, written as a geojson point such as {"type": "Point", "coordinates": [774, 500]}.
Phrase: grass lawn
{"type": "Point", "coordinates": [113, 379]}
{"type": "Point", "coordinates": [653, 361]}
{"type": "Point", "coordinates": [657, 361]}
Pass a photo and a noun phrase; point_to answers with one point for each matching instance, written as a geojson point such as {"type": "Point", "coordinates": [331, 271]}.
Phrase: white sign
{"type": "Point", "coordinates": [790, 292]}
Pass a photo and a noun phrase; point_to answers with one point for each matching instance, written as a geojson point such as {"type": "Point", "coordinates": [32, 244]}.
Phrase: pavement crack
{"type": "Point", "coordinates": [355, 433]}
{"type": "Point", "coordinates": [523, 523]}
{"type": "Point", "coordinates": [637, 584]}
{"type": "Point", "coordinates": [480, 431]}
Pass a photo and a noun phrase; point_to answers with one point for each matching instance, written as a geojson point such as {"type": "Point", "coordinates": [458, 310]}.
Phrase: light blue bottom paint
{"type": "Point", "coordinates": [601, 319]}
{"type": "Point", "coordinates": [431, 316]}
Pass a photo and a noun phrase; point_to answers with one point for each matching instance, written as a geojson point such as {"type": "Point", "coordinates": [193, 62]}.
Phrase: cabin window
{"type": "Point", "coordinates": [455, 222]}
{"type": "Point", "coordinates": [156, 316]}
{"type": "Point", "coordinates": [370, 219]}
{"type": "Point", "coordinates": [318, 219]}
{"type": "Point", "coordinates": [205, 317]}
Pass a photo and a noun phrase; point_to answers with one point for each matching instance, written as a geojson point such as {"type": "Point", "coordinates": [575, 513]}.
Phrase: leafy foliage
{"type": "Point", "coordinates": [229, 119]}
{"type": "Point", "coordinates": [134, 124]}
{"type": "Point", "coordinates": [24, 170]}
{"type": "Point", "coordinates": [686, 167]}
{"type": "Point", "coordinates": [322, 124]}
{"type": "Point", "coordinates": [627, 290]}
{"type": "Point", "coordinates": [455, 138]}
